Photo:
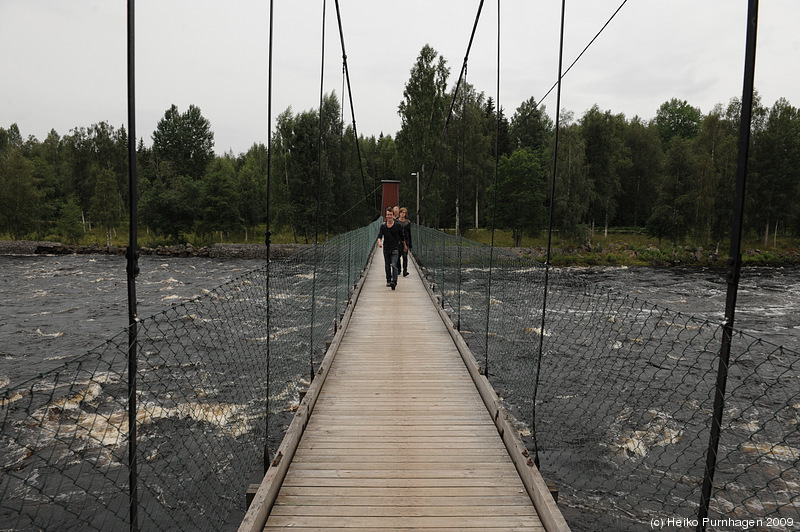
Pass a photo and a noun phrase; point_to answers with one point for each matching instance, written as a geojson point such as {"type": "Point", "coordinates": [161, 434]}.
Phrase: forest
{"type": "Point", "coordinates": [670, 177]}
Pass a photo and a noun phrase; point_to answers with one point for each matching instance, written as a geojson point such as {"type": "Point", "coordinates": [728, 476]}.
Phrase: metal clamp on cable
{"type": "Point", "coordinates": [133, 262]}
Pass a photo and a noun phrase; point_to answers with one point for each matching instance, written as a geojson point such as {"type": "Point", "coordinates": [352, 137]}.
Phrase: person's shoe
{"type": "Point", "coordinates": [405, 274]}
{"type": "Point", "coordinates": [392, 285]}
{"type": "Point", "coordinates": [388, 284]}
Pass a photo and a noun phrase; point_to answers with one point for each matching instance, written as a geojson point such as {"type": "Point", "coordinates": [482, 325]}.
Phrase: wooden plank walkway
{"type": "Point", "coordinates": [399, 437]}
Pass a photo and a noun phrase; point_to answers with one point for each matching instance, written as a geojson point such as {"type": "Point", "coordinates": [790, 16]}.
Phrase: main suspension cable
{"type": "Point", "coordinates": [575, 61]}
{"type": "Point", "coordinates": [452, 103]}
{"type": "Point", "coordinates": [350, 95]}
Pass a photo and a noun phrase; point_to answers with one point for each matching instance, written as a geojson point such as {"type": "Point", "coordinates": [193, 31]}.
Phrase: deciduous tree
{"type": "Point", "coordinates": [106, 206]}
{"type": "Point", "coordinates": [638, 179]}
{"type": "Point", "coordinates": [607, 158]}
{"type": "Point", "coordinates": [530, 126]}
{"type": "Point", "coordinates": [69, 221]}
{"type": "Point", "coordinates": [573, 191]}
{"type": "Point", "coordinates": [672, 216]}
{"type": "Point", "coordinates": [776, 154]}
{"type": "Point", "coordinates": [218, 206]}
{"type": "Point", "coordinates": [185, 140]}
{"type": "Point", "coordinates": [19, 196]}
{"type": "Point", "coordinates": [676, 118]}
{"type": "Point", "coordinates": [521, 185]}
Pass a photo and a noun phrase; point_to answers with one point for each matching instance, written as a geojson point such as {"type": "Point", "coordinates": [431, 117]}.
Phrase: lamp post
{"type": "Point", "coordinates": [417, 174]}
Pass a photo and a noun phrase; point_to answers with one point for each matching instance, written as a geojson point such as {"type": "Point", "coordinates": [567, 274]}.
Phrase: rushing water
{"type": "Point", "coordinates": [768, 300]}
{"type": "Point", "coordinates": [55, 308]}
{"type": "Point", "coordinates": [639, 438]}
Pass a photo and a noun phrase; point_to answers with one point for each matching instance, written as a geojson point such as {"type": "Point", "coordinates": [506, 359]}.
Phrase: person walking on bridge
{"type": "Point", "coordinates": [405, 223]}
{"type": "Point", "coordinates": [391, 239]}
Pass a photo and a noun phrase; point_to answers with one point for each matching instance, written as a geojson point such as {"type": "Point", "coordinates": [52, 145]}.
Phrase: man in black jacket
{"type": "Point", "coordinates": [392, 239]}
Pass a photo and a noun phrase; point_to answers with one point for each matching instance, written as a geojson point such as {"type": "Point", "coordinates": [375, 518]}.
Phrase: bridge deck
{"type": "Point", "coordinates": [399, 437]}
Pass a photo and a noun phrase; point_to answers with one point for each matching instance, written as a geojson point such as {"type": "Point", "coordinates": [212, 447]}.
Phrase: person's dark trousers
{"type": "Point", "coordinates": [405, 262]}
{"type": "Point", "coordinates": [391, 261]}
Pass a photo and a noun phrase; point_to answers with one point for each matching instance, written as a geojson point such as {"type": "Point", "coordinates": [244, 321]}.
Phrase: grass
{"type": "Point", "coordinates": [621, 247]}
{"type": "Point", "coordinates": [625, 247]}
{"type": "Point", "coordinates": [149, 239]}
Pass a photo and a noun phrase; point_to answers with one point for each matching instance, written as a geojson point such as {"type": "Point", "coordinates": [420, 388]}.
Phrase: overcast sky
{"type": "Point", "coordinates": [63, 63]}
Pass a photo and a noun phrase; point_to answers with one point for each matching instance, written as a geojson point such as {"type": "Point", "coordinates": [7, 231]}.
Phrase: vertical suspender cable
{"type": "Point", "coordinates": [340, 170]}
{"type": "Point", "coordinates": [268, 235]}
{"type": "Point", "coordinates": [319, 142]}
{"type": "Point", "coordinates": [341, 142]}
{"type": "Point", "coordinates": [319, 196]}
{"type": "Point", "coordinates": [734, 261]}
{"type": "Point", "coordinates": [132, 255]}
{"type": "Point", "coordinates": [494, 200]}
{"type": "Point", "coordinates": [459, 197]}
{"type": "Point", "coordinates": [549, 235]}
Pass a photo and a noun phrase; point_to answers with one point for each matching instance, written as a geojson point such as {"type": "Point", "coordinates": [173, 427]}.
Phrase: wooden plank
{"type": "Point", "coordinates": [406, 529]}
{"type": "Point", "coordinates": [414, 482]}
{"type": "Point", "coordinates": [379, 523]}
{"type": "Point", "coordinates": [431, 456]}
{"type": "Point", "coordinates": [476, 501]}
{"type": "Point", "coordinates": [346, 492]}
{"type": "Point", "coordinates": [388, 469]}
{"type": "Point", "coordinates": [428, 446]}
{"type": "Point", "coordinates": [403, 511]}
{"type": "Point", "coordinates": [319, 439]}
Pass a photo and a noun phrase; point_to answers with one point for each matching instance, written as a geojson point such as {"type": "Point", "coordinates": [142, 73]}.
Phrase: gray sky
{"type": "Point", "coordinates": [63, 63]}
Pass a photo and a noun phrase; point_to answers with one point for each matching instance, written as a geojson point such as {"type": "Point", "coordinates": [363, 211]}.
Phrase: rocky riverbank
{"type": "Point", "coordinates": [651, 255]}
{"type": "Point", "coordinates": [240, 251]}
{"type": "Point", "coordinates": [608, 255]}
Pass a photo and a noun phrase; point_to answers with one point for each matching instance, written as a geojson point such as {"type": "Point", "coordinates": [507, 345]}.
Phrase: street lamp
{"type": "Point", "coordinates": [417, 174]}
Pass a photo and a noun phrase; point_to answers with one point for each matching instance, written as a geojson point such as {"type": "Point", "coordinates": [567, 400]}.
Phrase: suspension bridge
{"type": "Point", "coordinates": [166, 425]}
{"type": "Point", "coordinates": [399, 430]}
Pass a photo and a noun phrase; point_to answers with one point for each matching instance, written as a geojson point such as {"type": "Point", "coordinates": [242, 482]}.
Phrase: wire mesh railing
{"type": "Point", "coordinates": [624, 394]}
{"type": "Point", "coordinates": [209, 393]}
{"type": "Point", "coordinates": [623, 398]}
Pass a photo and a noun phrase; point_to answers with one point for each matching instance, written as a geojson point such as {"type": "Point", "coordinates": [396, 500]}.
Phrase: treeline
{"type": "Point", "coordinates": [672, 176]}
{"type": "Point", "coordinates": [60, 187]}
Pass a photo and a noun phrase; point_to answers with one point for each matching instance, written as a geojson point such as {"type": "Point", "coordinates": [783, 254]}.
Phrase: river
{"type": "Point", "coordinates": [768, 299]}
{"type": "Point", "coordinates": [53, 308]}
{"type": "Point", "coordinates": [56, 307]}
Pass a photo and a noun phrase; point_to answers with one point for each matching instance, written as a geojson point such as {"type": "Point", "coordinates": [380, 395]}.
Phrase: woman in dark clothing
{"type": "Point", "coordinates": [405, 223]}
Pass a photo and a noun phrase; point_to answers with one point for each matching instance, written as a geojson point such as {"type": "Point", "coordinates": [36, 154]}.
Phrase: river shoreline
{"type": "Point", "coordinates": [238, 251]}
{"type": "Point", "coordinates": [610, 255]}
